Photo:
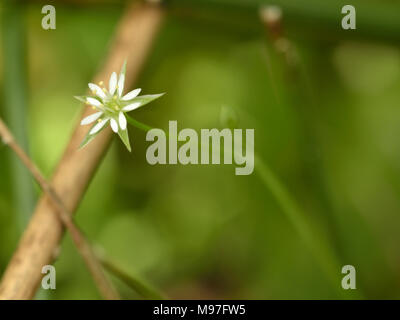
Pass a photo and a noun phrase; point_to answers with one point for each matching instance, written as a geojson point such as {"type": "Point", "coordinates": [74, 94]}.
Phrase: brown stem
{"type": "Point", "coordinates": [40, 240]}
{"type": "Point", "coordinates": [271, 17]}
{"type": "Point", "coordinates": [104, 285]}
{"type": "Point", "coordinates": [92, 257]}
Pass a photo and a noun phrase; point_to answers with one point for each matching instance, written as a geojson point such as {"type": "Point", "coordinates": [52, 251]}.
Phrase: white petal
{"type": "Point", "coordinates": [114, 125]}
{"type": "Point", "coordinates": [98, 126]}
{"type": "Point", "coordinates": [122, 121]}
{"type": "Point", "coordinates": [113, 83]}
{"type": "Point", "coordinates": [131, 106]}
{"type": "Point", "coordinates": [121, 82]}
{"type": "Point", "coordinates": [93, 102]}
{"type": "Point", "coordinates": [93, 117]}
{"type": "Point", "coordinates": [131, 95]}
{"type": "Point", "coordinates": [97, 90]}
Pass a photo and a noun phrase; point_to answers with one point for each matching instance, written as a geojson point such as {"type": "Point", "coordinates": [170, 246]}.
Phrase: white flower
{"type": "Point", "coordinates": [111, 106]}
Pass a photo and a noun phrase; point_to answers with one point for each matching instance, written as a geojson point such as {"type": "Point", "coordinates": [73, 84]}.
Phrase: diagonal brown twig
{"type": "Point", "coordinates": [104, 285]}
{"type": "Point", "coordinates": [93, 256]}
{"type": "Point", "coordinates": [41, 238]}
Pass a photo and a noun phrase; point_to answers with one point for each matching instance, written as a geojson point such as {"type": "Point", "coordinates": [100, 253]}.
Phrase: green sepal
{"type": "Point", "coordinates": [123, 134]}
{"type": "Point", "coordinates": [89, 137]}
{"type": "Point", "coordinates": [143, 99]}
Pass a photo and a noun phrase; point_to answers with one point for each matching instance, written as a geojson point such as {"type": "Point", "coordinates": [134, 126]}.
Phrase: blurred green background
{"type": "Point", "coordinates": [326, 188]}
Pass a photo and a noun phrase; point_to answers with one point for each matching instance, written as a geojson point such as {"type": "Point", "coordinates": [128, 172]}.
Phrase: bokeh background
{"type": "Point", "coordinates": [325, 106]}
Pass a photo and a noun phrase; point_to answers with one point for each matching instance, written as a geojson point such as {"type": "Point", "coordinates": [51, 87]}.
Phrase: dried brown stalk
{"type": "Point", "coordinates": [40, 240]}
{"type": "Point", "coordinates": [103, 284]}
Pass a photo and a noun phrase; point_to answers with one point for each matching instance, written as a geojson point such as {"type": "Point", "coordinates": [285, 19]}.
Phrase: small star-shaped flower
{"type": "Point", "coordinates": [111, 106]}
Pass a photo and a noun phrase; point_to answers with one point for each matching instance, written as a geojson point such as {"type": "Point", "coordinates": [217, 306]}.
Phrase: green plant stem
{"type": "Point", "coordinates": [15, 103]}
{"type": "Point", "coordinates": [135, 283]}
{"type": "Point", "coordinates": [319, 247]}
{"type": "Point", "coordinates": [317, 244]}
{"type": "Point", "coordinates": [138, 124]}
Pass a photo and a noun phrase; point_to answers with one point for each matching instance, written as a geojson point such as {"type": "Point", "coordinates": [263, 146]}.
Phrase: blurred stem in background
{"type": "Point", "coordinates": [15, 104]}
{"type": "Point", "coordinates": [142, 288]}
{"type": "Point", "coordinates": [311, 236]}
{"type": "Point", "coordinates": [375, 19]}
{"type": "Point", "coordinates": [296, 80]}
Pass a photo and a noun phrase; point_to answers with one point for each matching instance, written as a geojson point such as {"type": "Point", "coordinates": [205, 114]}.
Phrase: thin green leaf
{"type": "Point", "coordinates": [143, 99]}
{"type": "Point", "coordinates": [123, 134]}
